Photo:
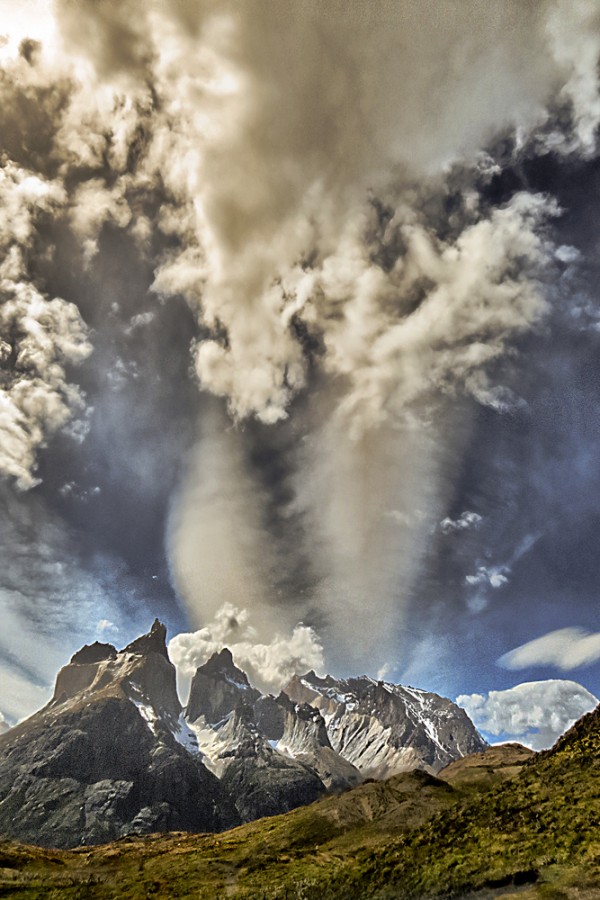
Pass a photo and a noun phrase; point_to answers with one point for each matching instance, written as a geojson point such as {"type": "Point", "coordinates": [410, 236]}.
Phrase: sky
{"type": "Point", "coordinates": [299, 332]}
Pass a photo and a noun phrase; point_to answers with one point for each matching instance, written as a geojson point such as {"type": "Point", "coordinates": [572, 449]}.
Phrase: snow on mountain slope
{"type": "Point", "coordinates": [305, 738]}
{"type": "Point", "coordinates": [384, 728]}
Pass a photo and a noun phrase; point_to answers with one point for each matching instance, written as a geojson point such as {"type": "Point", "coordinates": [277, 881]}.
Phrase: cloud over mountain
{"type": "Point", "coordinates": [270, 666]}
{"type": "Point", "coordinates": [331, 219]}
{"type": "Point", "coordinates": [535, 713]}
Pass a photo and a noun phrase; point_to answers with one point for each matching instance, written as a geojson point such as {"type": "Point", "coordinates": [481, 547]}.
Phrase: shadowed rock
{"type": "Point", "coordinates": [218, 687]}
{"type": "Point", "coordinates": [109, 756]}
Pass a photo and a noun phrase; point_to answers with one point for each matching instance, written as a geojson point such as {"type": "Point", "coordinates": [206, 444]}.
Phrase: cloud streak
{"type": "Point", "coordinates": [565, 648]}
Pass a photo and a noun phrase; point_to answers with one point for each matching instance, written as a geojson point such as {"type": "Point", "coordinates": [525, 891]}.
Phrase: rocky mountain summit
{"type": "Point", "coordinates": [384, 728]}
{"type": "Point", "coordinates": [114, 753]}
{"type": "Point", "coordinates": [110, 755]}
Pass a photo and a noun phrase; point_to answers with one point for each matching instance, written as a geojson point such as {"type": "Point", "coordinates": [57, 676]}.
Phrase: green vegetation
{"type": "Point", "coordinates": [536, 835]}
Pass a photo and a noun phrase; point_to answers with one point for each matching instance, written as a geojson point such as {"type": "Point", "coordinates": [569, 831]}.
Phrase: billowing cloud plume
{"type": "Point", "coordinates": [311, 249]}
{"type": "Point", "coordinates": [535, 713]}
{"type": "Point", "coordinates": [216, 537]}
{"type": "Point", "coordinates": [39, 337]}
{"type": "Point", "coordinates": [566, 648]}
{"type": "Point", "coordinates": [269, 666]}
{"type": "Point", "coordinates": [269, 175]}
{"type": "Point", "coordinates": [312, 180]}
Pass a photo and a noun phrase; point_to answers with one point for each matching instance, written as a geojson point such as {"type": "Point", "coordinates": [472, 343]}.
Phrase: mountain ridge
{"type": "Point", "coordinates": [104, 758]}
{"type": "Point", "coordinates": [530, 833]}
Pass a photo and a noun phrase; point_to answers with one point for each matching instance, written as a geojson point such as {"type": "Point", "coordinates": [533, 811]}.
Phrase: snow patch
{"type": "Point", "coordinates": [147, 713]}
{"type": "Point", "coordinates": [184, 735]}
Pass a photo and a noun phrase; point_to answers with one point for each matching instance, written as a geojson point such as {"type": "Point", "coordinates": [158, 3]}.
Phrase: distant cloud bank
{"type": "Point", "coordinates": [534, 713]}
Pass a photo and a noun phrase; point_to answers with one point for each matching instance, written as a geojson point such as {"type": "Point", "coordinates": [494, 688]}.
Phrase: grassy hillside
{"type": "Point", "coordinates": [542, 827]}
{"type": "Point", "coordinates": [413, 836]}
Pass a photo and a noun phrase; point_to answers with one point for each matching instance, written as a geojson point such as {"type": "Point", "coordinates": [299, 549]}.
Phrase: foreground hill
{"type": "Point", "coordinates": [505, 823]}
{"type": "Point", "coordinates": [543, 825]}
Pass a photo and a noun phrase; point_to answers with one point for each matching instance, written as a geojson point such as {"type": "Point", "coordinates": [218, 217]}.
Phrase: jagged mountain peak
{"type": "Point", "coordinates": [93, 653]}
{"type": "Point", "coordinates": [385, 728]}
{"type": "Point", "coordinates": [155, 641]}
{"type": "Point", "coordinates": [142, 673]}
{"type": "Point", "coordinates": [221, 663]}
{"type": "Point", "coordinates": [311, 677]}
{"type": "Point", "coordinates": [217, 688]}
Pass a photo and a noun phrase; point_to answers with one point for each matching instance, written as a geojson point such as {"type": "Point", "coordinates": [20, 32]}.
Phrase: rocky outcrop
{"type": "Point", "coordinates": [217, 688]}
{"type": "Point", "coordinates": [270, 715]}
{"type": "Point", "coordinates": [108, 756]}
{"type": "Point", "coordinates": [262, 781]}
{"type": "Point", "coordinates": [94, 653]}
{"type": "Point", "coordinates": [305, 739]}
{"type": "Point", "coordinates": [383, 728]}
{"type": "Point", "coordinates": [153, 642]}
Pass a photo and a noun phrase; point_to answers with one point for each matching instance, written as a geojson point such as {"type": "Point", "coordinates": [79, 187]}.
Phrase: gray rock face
{"type": "Point", "coordinates": [385, 729]}
{"type": "Point", "coordinates": [270, 715]}
{"type": "Point", "coordinates": [105, 757]}
{"type": "Point", "coordinates": [217, 688]}
{"type": "Point", "coordinates": [305, 739]}
{"type": "Point", "coordinates": [262, 781]}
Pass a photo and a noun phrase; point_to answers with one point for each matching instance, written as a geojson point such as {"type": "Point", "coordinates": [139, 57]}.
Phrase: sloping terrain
{"type": "Point", "coordinates": [263, 856]}
{"type": "Point", "coordinates": [534, 834]}
{"type": "Point", "coordinates": [543, 824]}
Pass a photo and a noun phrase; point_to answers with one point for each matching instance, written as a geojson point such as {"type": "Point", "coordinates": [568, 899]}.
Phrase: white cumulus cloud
{"type": "Point", "coordinates": [534, 713]}
{"type": "Point", "coordinates": [495, 576]}
{"type": "Point", "coordinates": [268, 664]}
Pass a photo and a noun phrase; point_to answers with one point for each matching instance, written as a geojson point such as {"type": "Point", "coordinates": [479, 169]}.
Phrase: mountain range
{"type": "Point", "coordinates": [504, 821]}
{"type": "Point", "coordinates": [115, 754]}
